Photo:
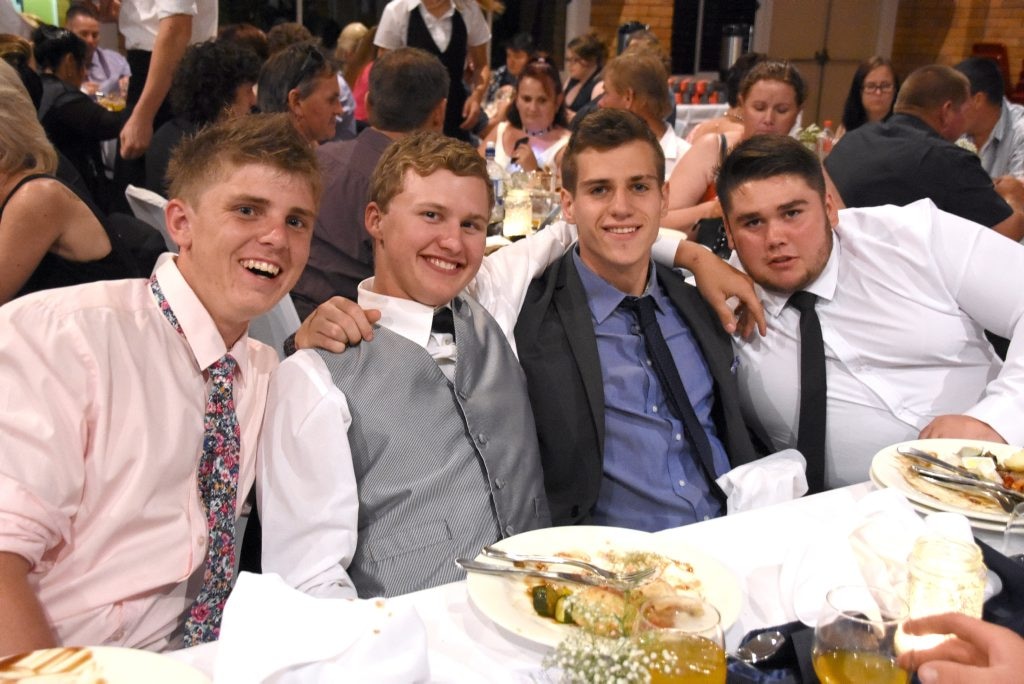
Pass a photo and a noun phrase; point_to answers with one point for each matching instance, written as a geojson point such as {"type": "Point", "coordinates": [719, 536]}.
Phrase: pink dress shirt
{"type": "Point", "coordinates": [101, 428]}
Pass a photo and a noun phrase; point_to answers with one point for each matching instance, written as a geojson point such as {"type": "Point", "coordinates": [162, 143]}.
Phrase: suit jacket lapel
{"type": "Point", "coordinates": [571, 305]}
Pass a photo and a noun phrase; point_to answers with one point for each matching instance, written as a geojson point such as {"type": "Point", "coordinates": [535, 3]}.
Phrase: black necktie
{"type": "Point", "coordinates": [668, 375]}
{"type": "Point", "coordinates": [813, 396]}
{"type": "Point", "coordinates": [443, 322]}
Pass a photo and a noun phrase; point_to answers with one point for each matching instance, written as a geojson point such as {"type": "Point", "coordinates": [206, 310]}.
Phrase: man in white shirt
{"type": "Point", "coordinates": [456, 32]}
{"type": "Point", "coordinates": [903, 296]}
{"type": "Point", "coordinates": [108, 419]}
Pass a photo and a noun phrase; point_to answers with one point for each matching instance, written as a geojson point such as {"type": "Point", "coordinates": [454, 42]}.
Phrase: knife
{"type": "Point", "coordinates": [571, 577]}
{"type": "Point", "coordinates": [967, 482]}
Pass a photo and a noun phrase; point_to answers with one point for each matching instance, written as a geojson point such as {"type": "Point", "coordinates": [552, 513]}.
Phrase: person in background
{"type": "Point", "coordinates": [537, 126]}
{"type": "Point", "coordinates": [770, 99]}
{"type": "Point", "coordinates": [75, 124]}
{"type": "Point", "coordinates": [118, 499]}
{"type": "Point", "coordinates": [872, 95]}
{"type": "Point", "coordinates": [732, 120]}
{"type": "Point", "coordinates": [407, 91]}
{"type": "Point", "coordinates": [912, 155]}
{"type": "Point", "coordinates": [247, 36]}
{"type": "Point", "coordinates": [348, 41]}
{"type": "Point", "coordinates": [301, 81]}
{"type": "Point", "coordinates": [584, 61]}
{"type": "Point", "coordinates": [502, 87]}
{"type": "Point", "coordinates": [49, 235]}
{"type": "Point", "coordinates": [457, 33]}
{"type": "Point", "coordinates": [995, 129]}
{"type": "Point", "coordinates": [635, 81]}
{"type": "Point", "coordinates": [286, 34]}
{"type": "Point", "coordinates": [215, 80]}
{"type": "Point", "coordinates": [107, 71]}
{"type": "Point", "coordinates": [357, 73]}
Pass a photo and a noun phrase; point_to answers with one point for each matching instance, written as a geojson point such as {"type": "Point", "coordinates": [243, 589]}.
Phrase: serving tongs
{"type": "Point", "coordinates": [609, 575]}
{"type": "Point", "coordinates": [1007, 499]}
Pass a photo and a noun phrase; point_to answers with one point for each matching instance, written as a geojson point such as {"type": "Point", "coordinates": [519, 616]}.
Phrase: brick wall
{"type": "Point", "coordinates": [942, 31]}
{"type": "Point", "coordinates": [607, 15]}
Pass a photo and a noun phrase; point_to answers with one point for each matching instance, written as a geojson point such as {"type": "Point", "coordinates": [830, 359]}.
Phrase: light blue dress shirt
{"type": "Point", "coordinates": [652, 476]}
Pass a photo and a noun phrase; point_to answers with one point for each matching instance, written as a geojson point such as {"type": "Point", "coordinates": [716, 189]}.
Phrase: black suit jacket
{"type": "Point", "coordinates": [558, 350]}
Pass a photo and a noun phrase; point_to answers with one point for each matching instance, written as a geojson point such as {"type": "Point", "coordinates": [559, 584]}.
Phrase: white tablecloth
{"type": "Point", "coordinates": [464, 646]}
{"type": "Point", "coordinates": [689, 115]}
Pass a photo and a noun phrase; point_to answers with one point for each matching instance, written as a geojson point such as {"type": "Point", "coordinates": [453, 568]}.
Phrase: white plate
{"type": "Point", "coordinates": [885, 471]}
{"type": "Point", "coordinates": [507, 603]}
{"type": "Point", "coordinates": [104, 664]}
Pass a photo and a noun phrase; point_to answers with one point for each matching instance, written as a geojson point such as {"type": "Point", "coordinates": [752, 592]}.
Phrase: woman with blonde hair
{"type": "Point", "coordinates": [49, 236]}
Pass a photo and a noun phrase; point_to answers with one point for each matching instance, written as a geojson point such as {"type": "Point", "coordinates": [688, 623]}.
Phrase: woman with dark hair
{"type": "Point", "coordinates": [214, 80]}
{"type": "Point", "coordinates": [73, 122]}
{"type": "Point", "coordinates": [770, 98]}
{"type": "Point", "coordinates": [584, 59]}
{"type": "Point", "coordinates": [537, 126]}
{"type": "Point", "coordinates": [872, 94]}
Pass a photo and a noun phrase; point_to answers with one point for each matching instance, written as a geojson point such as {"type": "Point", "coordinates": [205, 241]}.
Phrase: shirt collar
{"type": "Point", "coordinates": [603, 297]}
{"type": "Point", "coordinates": [824, 286]}
{"type": "Point", "coordinates": [427, 15]}
{"type": "Point", "coordinates": [407, 318]}
{"type": "Point", "coordinates": [201, 334]}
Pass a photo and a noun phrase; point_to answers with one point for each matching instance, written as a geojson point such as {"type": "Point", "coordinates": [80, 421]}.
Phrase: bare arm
{"type": "Point", "coordinates": [1012, 191]}
{"type": "Point", "coordinates": [718, 282]}
{"type": "Point", "coordinates": [478, 62]}
{"type": "Point", "coordinates": [688, 183]}
{"type": "Point", "coordinates": [171, 40]}
{"type": "Point", "coordinates": [23, 625]}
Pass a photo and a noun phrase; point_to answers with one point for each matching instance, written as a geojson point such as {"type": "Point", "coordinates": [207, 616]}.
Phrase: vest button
{"type": "Point", "coordinates": [499, 483]}
{"type": "Point", "coordinates": [509, 530]}
{"type": "Point", "coordinates": [482, 438]}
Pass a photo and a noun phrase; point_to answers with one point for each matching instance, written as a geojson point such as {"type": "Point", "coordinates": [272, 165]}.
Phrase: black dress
{"type": "Point", "coordinates": [76, 126]}
{"type": "Point", "coordinates": [56, 271]}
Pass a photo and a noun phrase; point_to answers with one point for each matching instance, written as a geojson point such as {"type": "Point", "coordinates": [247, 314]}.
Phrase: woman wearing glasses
{"type": "Point", "coordinates": [584, 62]}
{"type": "Point", "coordinates": [872, 94]}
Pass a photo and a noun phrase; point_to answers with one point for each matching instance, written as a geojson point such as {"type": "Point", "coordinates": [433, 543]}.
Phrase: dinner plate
{"type": "Point", "coordinates": [99, 664]}
{"type": "Point", "coordinates": [506, 602]}
{"type": "Point", "coordinates": [886, 472]}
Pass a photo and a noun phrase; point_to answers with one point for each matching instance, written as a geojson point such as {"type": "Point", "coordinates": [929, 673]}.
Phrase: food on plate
{"type": "Point", "coordinates": [1008, 472]}
{"type": "Point", "coordinates": [609, 610]}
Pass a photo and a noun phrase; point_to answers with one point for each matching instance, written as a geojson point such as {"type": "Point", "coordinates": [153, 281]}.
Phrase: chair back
{"type": "Point", "coordinates": [149, 206]}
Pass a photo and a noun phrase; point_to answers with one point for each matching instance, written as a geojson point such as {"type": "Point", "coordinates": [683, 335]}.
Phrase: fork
{"type": "Point", "coordinates": [623, 577]}
{"type": "Point", "coordinates": [1004, 501]}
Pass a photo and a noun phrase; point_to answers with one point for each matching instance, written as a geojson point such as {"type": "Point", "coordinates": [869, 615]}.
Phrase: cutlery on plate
{"type": "Point", "coordinates": [975, 487]}
{"type": "Point", "coordinates": [574, 578]}
{"type": "Point", "coordinates": [624, 577]}
{"type": "Point", "coordinates": [970, 482]}
{"type": "Point", "coordinates": [925, 457]}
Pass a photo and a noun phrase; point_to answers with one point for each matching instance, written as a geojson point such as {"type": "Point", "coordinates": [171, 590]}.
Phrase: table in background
{"type": "Point", "coordinates": [689, 115]}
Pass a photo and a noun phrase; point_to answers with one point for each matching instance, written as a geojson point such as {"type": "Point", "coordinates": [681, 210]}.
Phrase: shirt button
{"type": "Point", "coordinates": [648, 362]}
{"type": "Point", "coordinates": [654, 408]}
{"type": "Point", "coordinates": [679, 438]}
{"type": "Point", "coordinates": [682, 483]}
{"type": "Point", "coordinates": [499, 483]}
{"type": "Point", "coordinates": [707, 517]}
{"type": "Point", "coordinates": [201, 539]}
{"type": "Point", "coordinates": [482, 438]}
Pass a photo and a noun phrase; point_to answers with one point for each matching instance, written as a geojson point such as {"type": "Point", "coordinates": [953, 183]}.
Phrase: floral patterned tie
{"type": "Point", "coordinates": [218, 487]}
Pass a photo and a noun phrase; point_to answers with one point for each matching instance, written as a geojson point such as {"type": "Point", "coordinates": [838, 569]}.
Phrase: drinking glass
{"type": "Point", "coordinates": [855, 638]}
{"type": "Point", "coordinates": [682, 640]}
{"type": "Point", "coordinates": [1013, 534]}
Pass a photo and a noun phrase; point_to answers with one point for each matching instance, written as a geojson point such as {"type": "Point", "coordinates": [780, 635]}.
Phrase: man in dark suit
{"type": "Point", "coordinates": [617, 447]}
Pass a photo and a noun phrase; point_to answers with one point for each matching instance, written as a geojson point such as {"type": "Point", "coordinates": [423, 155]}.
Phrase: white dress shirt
{"type": "Point", "coordinates": [101, 433]}
{"type": "Point", "coordinates": [394, 24]}
{"type": "Point", "coordinates": [139, 20]}
{"type": "Point", "coordinates": [674, 148]}
{"type": "Point", "coordinates": [903, 302]}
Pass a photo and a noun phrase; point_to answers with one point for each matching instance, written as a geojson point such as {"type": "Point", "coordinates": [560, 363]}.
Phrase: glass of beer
{"type": "Point", "coordinates": [855, 638]}
{"type": "Point", "coordinates": [681, 639]}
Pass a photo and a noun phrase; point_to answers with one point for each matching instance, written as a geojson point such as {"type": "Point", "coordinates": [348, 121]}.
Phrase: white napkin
{"type": "Point", "coordinates": [273, 633]}
{"type": "Point", "coordinates": [773, 479]}
{"type": "Point", "coordinates": [868, 546]}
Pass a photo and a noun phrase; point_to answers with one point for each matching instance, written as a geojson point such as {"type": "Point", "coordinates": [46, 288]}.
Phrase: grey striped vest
{"type": "Point", "coordinates": [442, 469]}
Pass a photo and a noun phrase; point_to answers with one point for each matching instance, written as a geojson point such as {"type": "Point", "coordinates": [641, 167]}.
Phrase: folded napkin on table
{"type": "Point", "coordinates": [273, 633]}
{"type": "Point", "coordinates": [770, 480]}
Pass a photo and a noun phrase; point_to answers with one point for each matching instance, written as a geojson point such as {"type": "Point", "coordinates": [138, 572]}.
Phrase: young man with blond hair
{"type": "Point", "coordinates": [130, 409]}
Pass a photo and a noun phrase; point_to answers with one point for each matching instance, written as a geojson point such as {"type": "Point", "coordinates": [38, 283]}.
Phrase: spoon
{"type": "Point", "coordinates": [762, 647]}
